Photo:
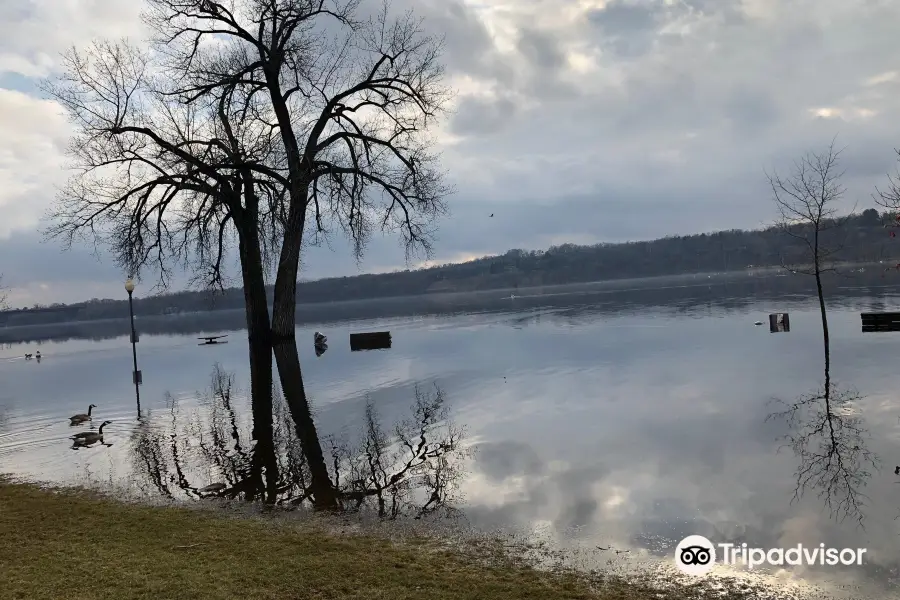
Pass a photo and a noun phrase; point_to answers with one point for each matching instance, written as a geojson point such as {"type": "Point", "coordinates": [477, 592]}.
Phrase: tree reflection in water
{"type": "Point", "coordinates": [413, 469]}
{"type": "Point", "coordinates": [829, 437]}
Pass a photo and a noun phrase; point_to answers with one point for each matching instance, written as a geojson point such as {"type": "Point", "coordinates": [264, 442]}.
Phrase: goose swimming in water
{"type": "Point", "coordinates": [82, 418]}
{"type": "Point", "coordinates": [86, 438]}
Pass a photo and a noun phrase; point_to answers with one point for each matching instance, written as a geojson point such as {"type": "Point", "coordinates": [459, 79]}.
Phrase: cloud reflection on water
{"type": "Point", "coordinates": [600, 423]}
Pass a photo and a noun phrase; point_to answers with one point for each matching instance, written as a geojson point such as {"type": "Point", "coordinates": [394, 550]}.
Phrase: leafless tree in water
{"type": "Point", "coordinates": [169, 185]}
{"type": "Point", "coordinates": [826, 431]}
{"type": "Point", "coordinates": [352, 109]}
{"type": "Point", "coordinates": [416, 471]}
{"type": "Point", "coordinates": [808, 202]}
{"type": "Point", "coordinates": [344, 120]}
{"type": "Point", "coordinates": [829, 437]}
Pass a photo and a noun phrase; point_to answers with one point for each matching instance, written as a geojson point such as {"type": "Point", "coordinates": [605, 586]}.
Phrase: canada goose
{"type": "Point", "coordinates": [27, 356]}
{"type": "Point", "coordinates": [86, 438]}
{"type": "Point", "coordinates": [37, 354]}
{"type": "Point", "coordinates": [78, 419]}
{"type": "Point", "coordinates": [84, 434]}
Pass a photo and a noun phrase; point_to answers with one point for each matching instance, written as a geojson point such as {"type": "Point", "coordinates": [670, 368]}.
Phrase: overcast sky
{"type": "Point", "coordinates": [575, 121]}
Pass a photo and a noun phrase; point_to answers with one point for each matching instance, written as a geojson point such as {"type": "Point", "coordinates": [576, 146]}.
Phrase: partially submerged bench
{"type": "Point", "coordinates": [880, 321]}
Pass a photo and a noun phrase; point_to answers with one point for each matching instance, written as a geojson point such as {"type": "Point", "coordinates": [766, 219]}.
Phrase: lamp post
{"type": "Point", "coordinates": [135, 375]}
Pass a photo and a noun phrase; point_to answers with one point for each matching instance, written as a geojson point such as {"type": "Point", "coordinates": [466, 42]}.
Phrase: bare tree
{"type": "Point", "coordinates": [352, 110]}
{"type": "Point", "coordinates": [237, 101]}
{"type": "Point", "coordinates": [166, 185]}
{"type": "Point", "coordinates": [826, 432]}
{"type": "Point", "coordinates": [807, 201]}
{"type": "Point", "coordinates": [3, 295]}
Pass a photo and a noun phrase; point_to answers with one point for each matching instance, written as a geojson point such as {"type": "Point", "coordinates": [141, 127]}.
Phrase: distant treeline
{"type": "Point", "coordinates": [864, 239]}
{"type": "Point", "coordinates": [871, 290]}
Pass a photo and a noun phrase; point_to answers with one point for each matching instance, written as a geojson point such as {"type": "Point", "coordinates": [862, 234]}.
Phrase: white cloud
{"type": "Point", "coordinates": [574, 117]}
{"type": "Point", "coordinates": [34, 134]}
{"type": "Point", "coordinates": [34, 32]}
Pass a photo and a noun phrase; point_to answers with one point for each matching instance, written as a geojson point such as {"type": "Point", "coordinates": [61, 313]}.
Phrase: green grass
{"type": "Point", "coordinates": [67, 544]}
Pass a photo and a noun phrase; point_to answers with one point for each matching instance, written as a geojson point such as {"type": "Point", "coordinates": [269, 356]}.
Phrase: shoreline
{"type": "Point", "coordinates": [59, 542]}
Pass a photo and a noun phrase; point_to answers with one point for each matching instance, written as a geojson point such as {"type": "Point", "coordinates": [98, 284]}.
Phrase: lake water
{"type": "Point", "coordinates": [623, 419]}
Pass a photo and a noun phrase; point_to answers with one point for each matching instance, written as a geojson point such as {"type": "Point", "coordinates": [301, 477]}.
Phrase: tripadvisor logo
{"type": "Point", "coordinates": [696, 555]}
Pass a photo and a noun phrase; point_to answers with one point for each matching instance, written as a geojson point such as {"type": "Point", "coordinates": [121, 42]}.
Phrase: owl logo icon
{"type": "Point", "coordinates": [695, 555]}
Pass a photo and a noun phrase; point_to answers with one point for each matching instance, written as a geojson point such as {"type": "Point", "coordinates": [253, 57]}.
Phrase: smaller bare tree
{"type": "Point", "coordinates": [3, 295]}
{"type": "Point", "coordinates": [807, 201]}
{"type": "Point", "coordinates": [826, 430]}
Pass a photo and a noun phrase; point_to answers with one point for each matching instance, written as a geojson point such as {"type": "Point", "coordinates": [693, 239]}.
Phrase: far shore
{"type": "Point", "coordinates": [221, 320]}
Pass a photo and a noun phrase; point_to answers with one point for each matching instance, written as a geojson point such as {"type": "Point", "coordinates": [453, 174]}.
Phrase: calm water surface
{"type": "Point", "coordinates": [597, 420]}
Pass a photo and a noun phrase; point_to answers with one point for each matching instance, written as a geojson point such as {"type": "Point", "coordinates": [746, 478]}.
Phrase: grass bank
{"type": "Point", "coordinates": [67, 544]}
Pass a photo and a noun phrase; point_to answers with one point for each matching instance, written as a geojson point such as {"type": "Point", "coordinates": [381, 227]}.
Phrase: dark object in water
{"type": "Point", "coordinates": [779, 322]}
{"type": "Point", "coordinates": [212, 339]}
{"type": "Point", "coordinates": [320, 343]}
{"type": "Point", "coordinates": [874, 322]}
{"type": "Point", "coordinates": [28, 357]}
{"type": "Point", "coordinates": [375, 340]}
{"type": "Point", "coordinates": [212, 488]}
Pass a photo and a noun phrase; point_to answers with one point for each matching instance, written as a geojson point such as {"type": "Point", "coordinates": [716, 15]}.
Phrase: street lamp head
{"type": "Point", "coordinates": [129, 285]}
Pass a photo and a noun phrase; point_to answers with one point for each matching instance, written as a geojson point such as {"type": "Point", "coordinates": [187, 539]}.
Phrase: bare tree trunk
{"type": "Point", "coordinates": [288, 361]}
{"type": "Point", "coordinates": [264, 464]}
{"type": "Point", "coordinates": [824, 314]}
{"type": "Point", "coordinates": [827, 345]}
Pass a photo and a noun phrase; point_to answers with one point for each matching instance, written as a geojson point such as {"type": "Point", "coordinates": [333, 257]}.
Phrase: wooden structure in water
{"type": "Point", "coordinates": [374, 340]}
{"type": "Point", "coordinates": [211, 340]}
{"type": "Point", "coordinates": [779, 322]}
{"type": "Point", "coordinates": [880, 321]}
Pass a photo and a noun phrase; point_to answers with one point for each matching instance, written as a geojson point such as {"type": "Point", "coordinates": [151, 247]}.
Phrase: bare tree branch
{"type": "Point", "coordinates": [807, 201]}
{"type": "Point", "coordinates": [352, 108]}
{"type": "Point", "coordinates": [413, 472]}
{"type": "Point", "coordinates": [161, 183]}
{"type": "Point", "coordinates": [829, 437]}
